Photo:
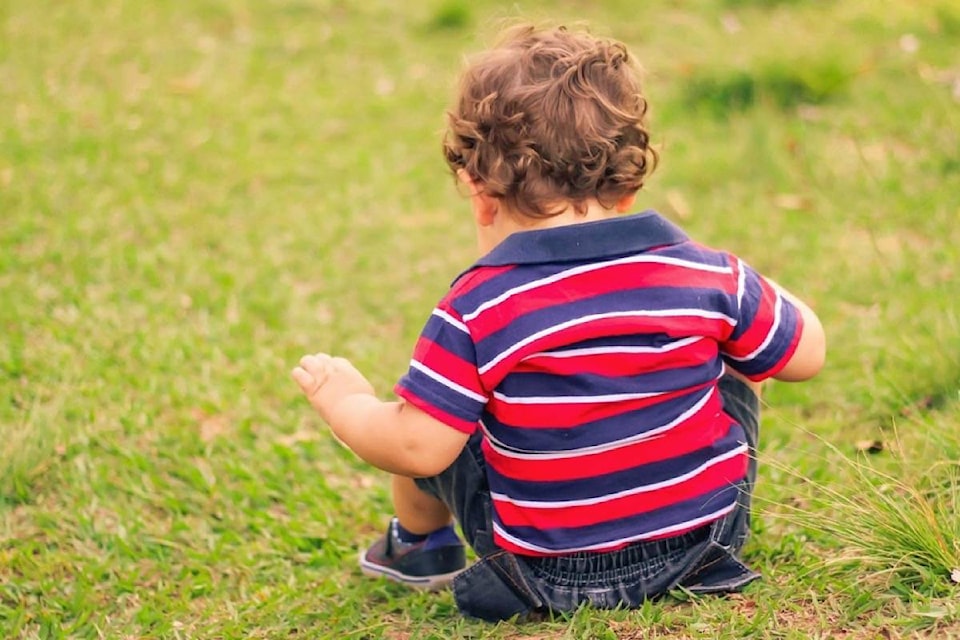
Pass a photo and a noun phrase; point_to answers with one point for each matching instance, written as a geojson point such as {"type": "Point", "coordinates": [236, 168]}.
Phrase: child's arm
{"type": "Point", "coordinates": [394, 436]}
{"type": "Point", "coordinates": [776, 335]}
{"type": "Point", "coordinates": [811, 351]}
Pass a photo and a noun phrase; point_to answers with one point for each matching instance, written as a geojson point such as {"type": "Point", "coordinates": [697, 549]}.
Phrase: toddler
{"type": "Point", "coordinates": [583, 402]}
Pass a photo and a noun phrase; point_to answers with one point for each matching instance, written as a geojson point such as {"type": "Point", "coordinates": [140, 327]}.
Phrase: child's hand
{"type": "Point", "coordinates": [326, 381]}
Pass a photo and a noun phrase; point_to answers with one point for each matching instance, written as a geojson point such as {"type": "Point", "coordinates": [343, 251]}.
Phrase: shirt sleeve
{"type": "Point", "coordinates": [443, 380]}
{"type": "Point", "coordinates": [768, 327]}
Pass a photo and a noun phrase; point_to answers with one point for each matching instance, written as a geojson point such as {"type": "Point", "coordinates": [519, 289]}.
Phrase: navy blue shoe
{"type": "Point", "coordinates": [429, 564]}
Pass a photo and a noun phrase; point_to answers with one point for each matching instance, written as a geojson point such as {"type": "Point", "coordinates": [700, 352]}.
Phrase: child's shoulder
{"type": "Point", "coordinates": [471, 288]}
{"type": "Point", "coordinates": [694, 251]}
{"type": "Point", "coordinates": [474, 277]}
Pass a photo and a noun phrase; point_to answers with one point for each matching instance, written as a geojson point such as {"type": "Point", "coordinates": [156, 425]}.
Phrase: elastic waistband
{"type": "Point", "coordinates": [642, 560]}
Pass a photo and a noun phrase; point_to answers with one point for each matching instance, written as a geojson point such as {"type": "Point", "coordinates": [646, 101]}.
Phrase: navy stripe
{"type": "Point", "coordinates": [588, 434]}
{"type": "Point", "coordinates": [652, 340]}
{"type": "Point", "coordinates": [610, 483]}
{"type": "Point", "coordinates": [778, 346]}
{"type": "Point", "coordinates": [449, 337]}
{"type": "Point", "coordinates": [629, 527]}
{"type": "Point", "coordinates": [749, 303]}
{"type": "Point", "coordinates": [535, 384]}
{"type": "Point", "coordinates": [438, 395]}
{"type": "Point", "coordinates": [697, 253]}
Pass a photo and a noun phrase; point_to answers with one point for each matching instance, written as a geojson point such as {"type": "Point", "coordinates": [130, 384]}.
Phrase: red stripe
{"type": "Point", "coordinates": [560, 415]}
{"type": "Point", "coordinates": [759, 328]}
{"type": "Point", "coordinates": [621, 364]}
{"type": "Point", "coordinates": [448, 364]}
{"type": "Point", "coordinates": [474, 278]}
{"type": "Point", "coordinates": [722, 474]}
{"type": "Point", "coordinates": [702, 429]}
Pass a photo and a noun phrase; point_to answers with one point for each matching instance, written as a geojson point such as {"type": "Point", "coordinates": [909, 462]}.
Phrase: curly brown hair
{"type": "Point", "coordinates": [551, 117]}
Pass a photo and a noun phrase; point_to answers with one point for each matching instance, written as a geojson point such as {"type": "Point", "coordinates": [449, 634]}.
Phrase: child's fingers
{"type": "Point", "coordinates": [303, 378]}
{"type": "Point", "coordinates": [317, 364]}
{"type": "Point", "coordinates": [312, 372]}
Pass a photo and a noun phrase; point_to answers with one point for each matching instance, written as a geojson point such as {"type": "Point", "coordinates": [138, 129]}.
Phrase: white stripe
{"type": "Point", "coordinates": [615, 350]}
{"type": "Point", "coordinates": [650, 434]}
{"type": "Point", "coordinates": [612, 397]}
{"type": "Point", "coordinates": [588, 268]}
{"type": "Point", "coordinates": [564, 504]}
{"type": "Point", "coordinates": [700, 313]}
{"type": "Point", "coordinates": [741, 282]}
{"type": "Point", "coordinates": [777, 307]}
{"type": "Point", "coordinates": [449, 319]}
{"type": "Point", "coordinates": [682, 526]}
{"type": "Point", "coordinates": [447, 382]}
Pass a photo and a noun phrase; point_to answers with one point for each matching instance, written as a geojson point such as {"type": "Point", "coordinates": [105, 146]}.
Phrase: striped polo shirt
{"type": "Point", "coordinates": [589, 355]}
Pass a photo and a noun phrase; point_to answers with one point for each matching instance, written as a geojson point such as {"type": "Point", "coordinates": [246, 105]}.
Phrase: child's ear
{"type": "Point", "coordinates": [626, 203]}
{"type": "Point", "coordinates": [485, 207]}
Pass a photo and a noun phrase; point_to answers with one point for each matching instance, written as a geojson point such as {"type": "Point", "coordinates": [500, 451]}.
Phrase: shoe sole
{"type": "Point", "coordinates": [425, 583]}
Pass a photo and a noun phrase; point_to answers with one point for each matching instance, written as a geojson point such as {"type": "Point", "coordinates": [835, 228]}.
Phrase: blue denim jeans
{"type": "Point", "coordinates": [501, 585]}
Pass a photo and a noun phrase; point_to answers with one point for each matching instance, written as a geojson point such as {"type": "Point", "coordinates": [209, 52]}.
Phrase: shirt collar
{"type": "Point", "coordinates": [623, 235]}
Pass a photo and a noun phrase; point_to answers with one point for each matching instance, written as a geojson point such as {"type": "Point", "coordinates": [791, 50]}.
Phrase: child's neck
{"type": "Point", "coordinates": [506, 223]}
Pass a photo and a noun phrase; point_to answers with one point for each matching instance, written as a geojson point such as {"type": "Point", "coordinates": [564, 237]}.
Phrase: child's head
{"type": "Point", "coordinates": [550, 118]}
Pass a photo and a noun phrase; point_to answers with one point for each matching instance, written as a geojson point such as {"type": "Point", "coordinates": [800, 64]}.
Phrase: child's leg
{"type": "Point", "coordinates": [719, 568]}
{"type": "Point", "coordinates": [754, 386]}
{"type": "Point", "coordinates": [744, 406]}
{"type": "Point", "coordinates": [741, 400]}
{"type": "Point", "coordinates": [420, 548]}
{"type": "Point", "coordinates": [418, 512]}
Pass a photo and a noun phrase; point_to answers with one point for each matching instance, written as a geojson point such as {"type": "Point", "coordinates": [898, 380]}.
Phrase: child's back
{"type": "Point", "coordinates": [592, 370]}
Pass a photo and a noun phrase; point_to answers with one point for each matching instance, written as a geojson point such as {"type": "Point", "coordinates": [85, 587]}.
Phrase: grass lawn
{"type": "Point", "coordinates": [193, 194]}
